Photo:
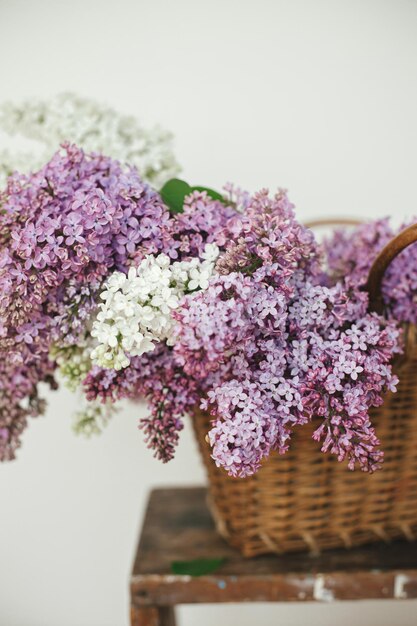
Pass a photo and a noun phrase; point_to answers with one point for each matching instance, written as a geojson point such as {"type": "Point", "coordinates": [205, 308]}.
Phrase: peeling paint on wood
{"type": "Point", "coordinates": [320, 593]}
{"type": "Point", "coordinates": [400, 581]}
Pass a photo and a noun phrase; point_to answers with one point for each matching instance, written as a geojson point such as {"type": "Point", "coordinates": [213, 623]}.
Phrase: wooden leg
{"type": "Point", "coordinates": [152, 616]}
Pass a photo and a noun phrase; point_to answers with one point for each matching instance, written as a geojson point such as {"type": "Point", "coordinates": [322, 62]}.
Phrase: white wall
{"type": "Point", "coordinates": [317, 96]}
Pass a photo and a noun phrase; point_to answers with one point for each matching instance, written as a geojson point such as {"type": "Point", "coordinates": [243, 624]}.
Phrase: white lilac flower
{"type": "Point", "coordinates": [73, 362]}
{"type": "Point", "coordinates": [92, 126]}
{"type": "Point", "coordinates": [92, 418]}
{"type": "Point", "coordinates": [136, 312]}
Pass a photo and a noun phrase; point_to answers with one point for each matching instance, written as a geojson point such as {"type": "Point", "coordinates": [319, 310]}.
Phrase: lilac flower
{"type": "Point", "coordinates": [350, 254]}
{"type": "Point", "coordinates": [273, 348]}
{"type": "Point", "coordinates": [157, 377]}
{"type": "Point", "coordinates": [269, 343]}
{"type": "Point", "coordinates": [60, 234]}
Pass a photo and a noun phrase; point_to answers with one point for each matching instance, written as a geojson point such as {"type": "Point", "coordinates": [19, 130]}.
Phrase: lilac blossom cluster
{"type": "Point", "coordinates": [225, 304]}
{"type": "Point", "coordinates": [61, 231]}
{"type": "Point", "coordinates": [157, 377]}
{"type": "Point", "coordinates": [197, 233]}
{"type": "Point", "coordinates": [350, 253]}
{"type": "Point", "coordinates": [45, 124]}
{"type": "Point", "coordinates": [275, 348]}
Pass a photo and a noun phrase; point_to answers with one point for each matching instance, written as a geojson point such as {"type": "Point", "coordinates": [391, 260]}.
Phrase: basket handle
{"type": "Point", "coordinates": [376, 274]}
{"type": "Point", "coordinates": [335, 221]}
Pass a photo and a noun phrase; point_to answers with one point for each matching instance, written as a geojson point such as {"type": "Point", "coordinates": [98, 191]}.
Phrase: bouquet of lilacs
{"type": "Point", "coordinates": [190, 298]}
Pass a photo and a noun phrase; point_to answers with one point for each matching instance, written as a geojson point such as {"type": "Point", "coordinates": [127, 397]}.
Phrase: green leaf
{"type": "Point", "coordinates": [210, 192]}
{"type": "Point", "coordinates": [173, 194]}
{"type": "Point", "coordinates": [197, 567]}
{"type": "Point", "coordinates": [175, 190]}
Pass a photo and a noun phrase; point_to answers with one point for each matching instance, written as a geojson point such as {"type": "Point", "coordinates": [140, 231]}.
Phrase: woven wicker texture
{"type": "Point", "coordinates": [306, 500]}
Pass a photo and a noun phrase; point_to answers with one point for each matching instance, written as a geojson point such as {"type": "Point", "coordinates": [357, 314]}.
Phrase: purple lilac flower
{"type": "Point", "coordinates": [155, 376]}
{"type": "Point", "coordinates": [203, 221]}
{"type": "Point", "coordinates": [273, 349]}
{"type": "Point", "coordinates": [62, 230]}
{"type": "Point", "coordinates": [272, 343]}
{"type": "Point", "coordinates": [350, 254]}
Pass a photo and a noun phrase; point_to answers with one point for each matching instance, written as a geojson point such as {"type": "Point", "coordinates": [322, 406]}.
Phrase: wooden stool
{"type": "Point", "coordinates": [178, 527]}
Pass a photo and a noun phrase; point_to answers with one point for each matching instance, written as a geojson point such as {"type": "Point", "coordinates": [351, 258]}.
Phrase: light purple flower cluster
{"type": "Point", "coordinates": [275, 349]}
{"type": "Point", "coordinates": [158, 378]}
{"type": "Point", "coordinates": [272, 343]}
{"type": "Point", "coordinates": [350, 254]}
{"type": "Point", "coordinates": [61, 231]}
{"type": "Point", "coordinates": [202, 221]}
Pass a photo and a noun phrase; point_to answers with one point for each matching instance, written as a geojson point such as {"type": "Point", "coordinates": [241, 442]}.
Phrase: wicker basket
{"type": "Point", "coordinates": [306, 500]}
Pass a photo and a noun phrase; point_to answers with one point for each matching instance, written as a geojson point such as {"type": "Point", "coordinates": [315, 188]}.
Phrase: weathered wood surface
{"type": "Point", "coordinates": [152, 616]}
{"type": "Point", "coordinates": [178, 527]}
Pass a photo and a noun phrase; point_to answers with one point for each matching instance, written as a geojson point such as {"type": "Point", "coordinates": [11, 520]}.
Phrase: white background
{"type": "Point", "coordinates": [316, 96]}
